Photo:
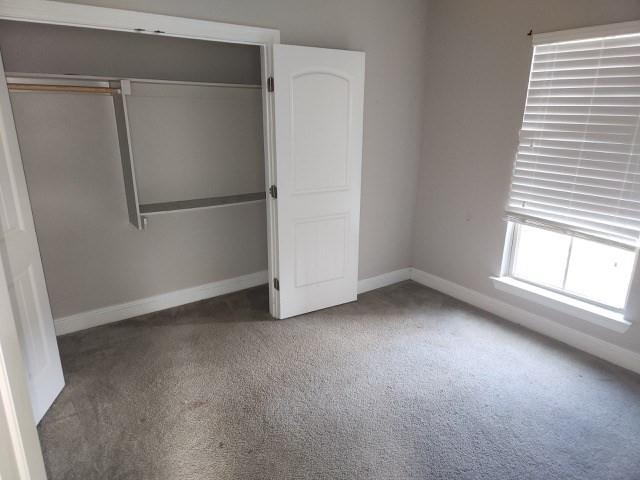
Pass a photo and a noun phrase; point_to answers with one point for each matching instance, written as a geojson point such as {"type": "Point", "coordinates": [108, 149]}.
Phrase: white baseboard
{"type": "Point", "coordinates": [115, 313]}
{"type": "Point", "coordinates": [605, 350]}
{"type": "Point", "coordinates": [383, 280]}
{"type": "Point", "coordinates": [122, 311]}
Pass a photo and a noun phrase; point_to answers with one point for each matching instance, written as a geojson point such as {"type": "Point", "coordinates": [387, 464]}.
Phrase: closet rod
{"type": "Point", "coordinates": [30, 87]}
{"type": "Point", "coordinates": [52, 77]}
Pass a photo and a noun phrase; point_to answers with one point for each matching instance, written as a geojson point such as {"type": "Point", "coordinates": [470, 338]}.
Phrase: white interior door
{"type": "Point", "coordinates": [318, 106]}
{"type": "Point", "coordinates": [23, 268]}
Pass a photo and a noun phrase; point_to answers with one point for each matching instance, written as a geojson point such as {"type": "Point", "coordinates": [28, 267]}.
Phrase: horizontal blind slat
{"type": "Point", "coordinates": [596, 178]}
{"type": "Point", "coordinates": [554, 126]}
{"type": "Point", "coordinates": [617, 235]}
{"type": "Point", "coordinates": [595, 91]}
{"type": "Point", "coordinates": [593, 73]}
{"type": "Point", "coordinates": [586, 145]}
{"type": "Point", "coordinates": [560, 65]}
{"type": "Point", "coordinates": [601, 200]}
{"type": "Point", "coordinates": [578, 154]}
{"type": "Point", "coordinates": [625, 219]}
{"type": "Point", "coordinates": [568, 118]}
{"type": "Point", "coordinates": [582, 82]}
{"type": "Point", "coordinates": [527, 200]}
{"type": "Point", "coordinates": [583, 217]}
{"type": "Point", "coordinates": [571, 187]}
{"type": "Point", "coordinates": [584, 110]}
{"type": "Point", "coordinates": [571, 184]}
{"type": "Point", "coordinates": [613, 52]}
{"type": "Point", "coordinates": [630, 102]}
{"type": "Point", "coordinates": [614, 138]}
{"type": "Point", "coordinates": [595, 165]}
{"type": "Point", "coordinates": [534, 157]}
{"type": "Point", "coordinates": [597, 44]}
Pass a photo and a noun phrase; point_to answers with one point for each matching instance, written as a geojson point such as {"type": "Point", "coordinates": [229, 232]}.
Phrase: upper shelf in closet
{"type": "Point", "coordinates": [50, 49]}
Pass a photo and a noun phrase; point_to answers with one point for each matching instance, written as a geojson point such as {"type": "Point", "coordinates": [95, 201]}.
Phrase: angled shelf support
{"type": "Point", "coordinates": [122, 88]}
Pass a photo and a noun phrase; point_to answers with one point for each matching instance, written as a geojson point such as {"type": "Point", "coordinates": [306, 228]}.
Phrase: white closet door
{"type": "Point", "coordinates": [23, 268]}
{"type": "Point", "coordinates": [318, 105]}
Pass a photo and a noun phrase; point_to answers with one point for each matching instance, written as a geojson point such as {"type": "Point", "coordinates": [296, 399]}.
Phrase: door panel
{"type": "Point", "coordinates": [320, 249]}
{"type": "Point", "coordinates": [21, 256]}
{"type": "Point", "coordinates": [320, 132]}
{"type": "Point", "coordinates": [318, 105]}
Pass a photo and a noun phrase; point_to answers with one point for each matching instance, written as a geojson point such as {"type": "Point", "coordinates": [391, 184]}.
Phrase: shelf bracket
{"type": "Point", "coordinates": [122, 90]}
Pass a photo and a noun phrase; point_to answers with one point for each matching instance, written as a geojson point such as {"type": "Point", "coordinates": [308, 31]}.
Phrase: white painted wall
{"type": "Point", "coordinates": [478, 65]}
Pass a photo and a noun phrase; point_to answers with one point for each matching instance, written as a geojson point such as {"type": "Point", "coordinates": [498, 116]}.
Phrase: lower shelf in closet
{"type": "Point", "coordinates": [198, 203]}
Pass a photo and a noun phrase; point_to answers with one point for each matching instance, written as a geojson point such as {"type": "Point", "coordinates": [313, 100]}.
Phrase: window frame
{"type": "Point", "coordinates": [509, 254]}
{"type": "Point", "coordinates": [562, 301]}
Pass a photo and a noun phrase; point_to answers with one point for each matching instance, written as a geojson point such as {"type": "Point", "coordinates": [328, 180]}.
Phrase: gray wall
{"type": "Point", "coordinates": [196, 142]}
{"type": "Point", "coordinates": [478, 64]}
{"type": "Point", "coordinates": [392, 33]}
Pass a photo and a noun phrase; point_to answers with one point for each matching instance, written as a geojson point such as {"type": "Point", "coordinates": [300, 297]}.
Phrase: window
{"type": "Point", "coordinates": [586, 269]}
{"type": "Point", "coordinates": [574, 202]}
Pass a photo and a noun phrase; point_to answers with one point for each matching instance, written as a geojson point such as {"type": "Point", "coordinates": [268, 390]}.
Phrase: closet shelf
{"type": "Point", "coordinates": [36, 78]}
{"type": "Point", "coordinates": [200, 203]}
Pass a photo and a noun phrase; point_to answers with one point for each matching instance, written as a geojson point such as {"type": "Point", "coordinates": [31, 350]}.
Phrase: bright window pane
{"type": "Point", "coordinates": [599, 272]}
{"type": "Point", "coordinates": [541, 256]}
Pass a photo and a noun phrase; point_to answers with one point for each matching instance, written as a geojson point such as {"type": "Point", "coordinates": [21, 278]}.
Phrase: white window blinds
{"type": "Point", "coordinates": [578, 162]}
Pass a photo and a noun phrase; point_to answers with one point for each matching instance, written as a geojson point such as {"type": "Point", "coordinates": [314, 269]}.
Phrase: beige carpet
{"type": "Point", "coordinates": [405, 383]}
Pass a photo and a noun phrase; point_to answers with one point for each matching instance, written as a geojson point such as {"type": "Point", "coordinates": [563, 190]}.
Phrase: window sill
{"type": "Point", "coordinates": [585, 311]}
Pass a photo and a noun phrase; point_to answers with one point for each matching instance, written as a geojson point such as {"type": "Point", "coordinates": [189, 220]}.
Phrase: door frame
{"type": "Point", "coordinates": [12, 370]}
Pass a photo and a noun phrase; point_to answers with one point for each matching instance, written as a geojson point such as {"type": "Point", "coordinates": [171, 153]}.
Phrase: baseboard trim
{"type": "Point", "coordinates": [122, 311]}
{"type": "Point", "coordinates": [600, 348]}
{"type": "Point", "coordinates": [383, 280]}
{"type": "Point", "coordinates": [115, 313]}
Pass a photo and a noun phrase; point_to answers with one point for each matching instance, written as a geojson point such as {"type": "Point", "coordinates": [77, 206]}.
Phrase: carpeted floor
{"type": "Point", "coordinates": [405, 383]}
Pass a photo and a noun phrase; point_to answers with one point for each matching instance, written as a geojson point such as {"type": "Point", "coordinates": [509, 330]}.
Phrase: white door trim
{"type": "Point", "coordinates": [15, 404]}
{"type": "Point", "coordinates": [86, 16]}
{"type": "Point", "coordinates": [24, 436]}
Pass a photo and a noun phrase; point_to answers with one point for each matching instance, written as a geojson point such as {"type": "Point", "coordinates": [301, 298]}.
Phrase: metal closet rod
{"type": "Point", "coordinates": [47, 83]}
{"type": "Point", "coordinates": [32, 87]}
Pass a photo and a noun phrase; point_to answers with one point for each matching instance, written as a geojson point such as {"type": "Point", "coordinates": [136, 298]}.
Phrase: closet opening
{"type": "Point", "coordinates": [144, 157]}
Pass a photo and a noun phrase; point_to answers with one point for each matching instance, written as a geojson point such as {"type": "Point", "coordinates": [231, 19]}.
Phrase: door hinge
{"type": "Point", "coordinates": [276, 284]}
{"type": "Point", "coordinates": [270, 85]}
{"type": "Point", "coordinates": [273, 191]}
